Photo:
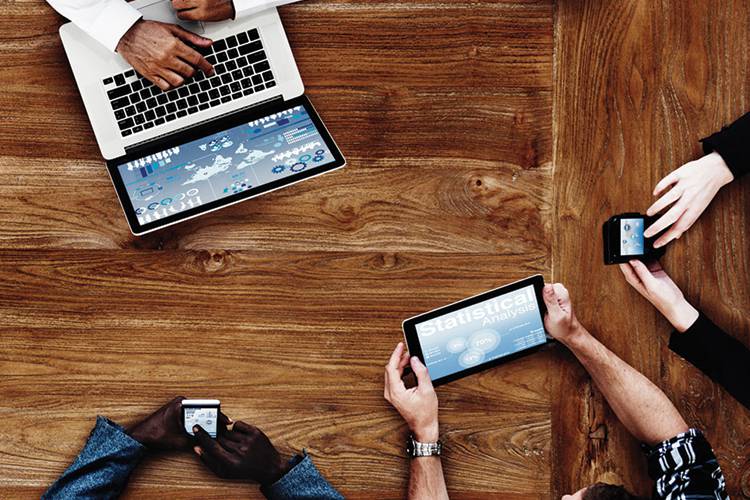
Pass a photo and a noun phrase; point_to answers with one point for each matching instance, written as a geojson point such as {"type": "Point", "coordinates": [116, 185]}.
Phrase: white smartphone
{"type": "Point", "coordinates": [203, 412]}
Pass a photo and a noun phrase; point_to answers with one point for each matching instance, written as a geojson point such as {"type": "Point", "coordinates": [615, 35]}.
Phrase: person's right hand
{"type": "Point", "coordinates": [162, 430]}
{"type": "Point", "coordinates": [419, 405]}
{"type": "Point", "coordinates": [242, 452]}
{"type": "Point", "coordinates": [158, 52]}
{"type": "Point", "coordinates": [693, 186]}
{"type": "Point", "coordinates": [658, 288]}
{"type": "Point", "coordinates": [560, 320]}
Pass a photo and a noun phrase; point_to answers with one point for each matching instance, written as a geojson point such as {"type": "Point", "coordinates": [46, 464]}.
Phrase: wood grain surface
{"type": "Point", "coordinates": [486, 140]}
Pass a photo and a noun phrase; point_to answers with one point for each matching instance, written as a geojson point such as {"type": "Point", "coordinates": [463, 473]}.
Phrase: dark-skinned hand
{"type": "Point", "coordinates": [162, 430]}
{"type": "Point", "coordinates": [242, 452]}
{"type": "Point", "coordinates": [204, 10]}
{"type": "Point", "coordinates": [160, 52]}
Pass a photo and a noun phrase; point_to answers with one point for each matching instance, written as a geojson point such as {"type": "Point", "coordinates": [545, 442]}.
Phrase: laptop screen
{"type": "Point", "coordinates": [245, 157]}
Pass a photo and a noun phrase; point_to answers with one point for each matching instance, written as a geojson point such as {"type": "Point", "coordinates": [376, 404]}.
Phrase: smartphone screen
{"type": "Point", "coordinates": [631, 236]}
{"type": "Point", "coordinates": [206, 417]}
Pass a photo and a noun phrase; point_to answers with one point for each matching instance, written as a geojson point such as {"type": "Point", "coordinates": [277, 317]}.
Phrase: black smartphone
{"type": "Point", "coordinates": [623, 239]}
{"type": "Point", "coordinates": [203, 412]}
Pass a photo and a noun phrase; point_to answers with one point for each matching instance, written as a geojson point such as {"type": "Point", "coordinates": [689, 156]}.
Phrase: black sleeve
{"type": "Point", "coordinates": [733, 144]}
{"type": "Point", "coordinates": [723, 358]}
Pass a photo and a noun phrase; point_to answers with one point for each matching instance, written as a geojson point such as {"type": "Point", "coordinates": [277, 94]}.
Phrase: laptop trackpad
{"type": "Point", "coordinates": [161, 10]}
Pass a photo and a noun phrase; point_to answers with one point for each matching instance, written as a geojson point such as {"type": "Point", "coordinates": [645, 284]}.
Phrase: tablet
{"type": "Point", "coordinates": [221, 163]}
{"type": "Point", "coordinates": [479, 332]}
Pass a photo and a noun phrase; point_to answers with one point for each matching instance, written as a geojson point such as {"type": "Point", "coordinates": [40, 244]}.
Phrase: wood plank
{"type": "Point", "coordinates": [637, 84]}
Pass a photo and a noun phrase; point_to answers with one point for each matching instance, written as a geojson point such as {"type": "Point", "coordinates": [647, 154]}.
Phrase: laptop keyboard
{"type": "Point", "coordinates": [241, 68]}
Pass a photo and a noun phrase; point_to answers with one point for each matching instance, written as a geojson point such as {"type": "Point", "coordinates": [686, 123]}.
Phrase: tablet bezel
{"type": "Point", "coordinates": [208, 129]}
{"type": "Point", "coordinates": [415, 348]}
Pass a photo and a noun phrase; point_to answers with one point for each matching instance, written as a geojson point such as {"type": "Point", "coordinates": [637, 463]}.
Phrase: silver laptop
{"type": "Point", "coordinates": [214, 141]}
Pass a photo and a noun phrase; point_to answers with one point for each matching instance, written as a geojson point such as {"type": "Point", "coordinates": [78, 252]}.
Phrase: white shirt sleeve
{"type": "Point", "coordinates": [104, 20]}
{"type": "Point", "coordinates": [247, 7]}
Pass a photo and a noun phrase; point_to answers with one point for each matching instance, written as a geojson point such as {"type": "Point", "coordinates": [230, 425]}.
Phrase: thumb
{"type": "Point", "coordinates": [420, 371]}
{"type": "Point", "coordinates": [190, 37]}
{"type": "Point", "coordinates": [643, 273]}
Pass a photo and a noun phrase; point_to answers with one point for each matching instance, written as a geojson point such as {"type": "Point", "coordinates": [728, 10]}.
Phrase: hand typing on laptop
{"type": "Point", "coordinates": [204, 10]}
{"type": "Point", "coordinates": [160, 52]}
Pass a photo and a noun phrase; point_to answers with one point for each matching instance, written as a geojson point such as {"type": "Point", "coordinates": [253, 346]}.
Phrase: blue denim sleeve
{"type": "Point", "coordinates": [102, 468]}
{"type": "Point", "coordinates": [302, 482]}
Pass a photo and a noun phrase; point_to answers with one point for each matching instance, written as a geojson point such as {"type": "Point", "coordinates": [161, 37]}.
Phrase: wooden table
{"type": "Point", "coordinates": [487, 141]}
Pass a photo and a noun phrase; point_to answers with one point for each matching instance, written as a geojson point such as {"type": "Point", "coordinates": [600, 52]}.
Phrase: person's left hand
{"type": "Point", "coordinates": [658, 288]}
{"type": "Point", "coordinates": [242, 452]}
{"type": "Point", "coordinates": [162, 430]}
{"type": "Point", "coordinates": [204, 10]}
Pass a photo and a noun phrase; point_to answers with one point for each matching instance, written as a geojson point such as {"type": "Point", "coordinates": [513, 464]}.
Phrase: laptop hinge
{"type": "Point", "coordinates": [137, 145]}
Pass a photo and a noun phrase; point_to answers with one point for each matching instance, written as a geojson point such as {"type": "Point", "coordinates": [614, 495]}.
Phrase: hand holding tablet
{"type": "Point", "coordinates": [479, 332]}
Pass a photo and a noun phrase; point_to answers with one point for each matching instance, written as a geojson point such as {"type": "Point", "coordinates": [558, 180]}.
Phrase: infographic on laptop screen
{"type": "Point", "coordinates": [280, 145]}
{"type": "Point", "coordinates": [477, 334]}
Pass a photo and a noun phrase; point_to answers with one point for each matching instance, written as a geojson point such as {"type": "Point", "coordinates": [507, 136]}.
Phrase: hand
{"type": "Point", "coordinates": [242, 452]}
{"type": "Point", "coordinates": [560, 320]}
{"type": "Point", "coordinates": [162, 430]}
{"type": "Point", "coordinates": [419, 405]}
{"type": "Point", "coordinates": [658, 288]}
{"type": "Point", "coordinates": [204, 10]}
{"type": "Point", "coordinates": [158, 51]}
{"type": "Point", "coordinates": [693, 186]}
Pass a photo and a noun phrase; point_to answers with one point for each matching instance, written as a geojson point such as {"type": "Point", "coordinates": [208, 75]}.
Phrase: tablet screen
{"type": "Point", "coordinates": [631, 237]}
{"type": "Point", "coordinates": [480, 333]}
{"type": "Point", "coordinates": [166, 183]}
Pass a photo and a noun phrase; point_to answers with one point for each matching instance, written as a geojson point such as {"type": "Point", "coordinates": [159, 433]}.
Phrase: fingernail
{"type": "Point", "coordinates": [196, 428]}
{"type": "Point", "coordinates": [197, 450]}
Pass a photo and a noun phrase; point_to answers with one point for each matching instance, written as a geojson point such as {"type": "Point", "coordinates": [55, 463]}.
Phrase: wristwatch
{"type": "Point", "coordinates": [416, 449]}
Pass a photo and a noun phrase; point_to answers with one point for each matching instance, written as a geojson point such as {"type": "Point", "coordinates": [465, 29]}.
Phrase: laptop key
{"type": "Point", "coordinates": [222, 57]}
{"type": "Point", "coordinates": [183, 91]}
{"type": "Point", "coordinates": [203, 97]}
{"type": "Point", "coordinates": [134, 98]}
{"type": "Point", "coordinates": [256, 57]}
{"type": "Point", "coordinates": [139, 119]}
{"type": "Point", "coordinates": [257, 79]}
{"type": "Point", "coordinates": [246, 83]}
{"type": "Point", "coordinates": [224, 90]}
{"type": "Point", "coordinates": [203, 106]}
{"type": "Point", "coordinates": [267, 76]}
{"type": "Point", "coordinates": [242, 38]}
{"type": "Point", "coordinates": [215, 81]}
{"type": "Point", "coordinates": [248, 71]}
{"type": "Point", "coordinates": [140, 107]}
{"type": "Point", "coordinates": [219, 45]}
{"type": "Point", "coordinates": [136, 85]}
{"type": "Point", "coordinates": [151, 102]}
{"type": "Point", "coordinates": [262, 66]}
{"type": "Point", "coordinates": [171, 107]}
{"type": "Point", "coordinates": [160, 111]}
{"type": "Point", "coordinates": [173, 95]}
{"type": "Point", "coordinates": [130, 110]}
{"type": "Point", "coordinates": [118, 92]}
{"type": "Point", "coordinates": [162, 98]}
{"type": "Point", "coordinates": [159, 121]}
{"type": "Point", "coordinates": [226, 78]}
{"type": "Point", "coordinates": [237, 74]}
{"type": "Point", "coordinates": [120, 103]}
{"type": "Point", "coordinates": [192, 100]}
{"type": "Point", "coordinates": [225, 99]}
{"type": "Point", "coordinates": [181, 113]}
{"type": "Point", "coordinates": [129, 73]}
{"type": "Point", "coordinates": [237, 95]}
{"type": "Point", "coordinates": [249, 48]}
{"type": "Point", "coordinates": [120, 114]}
{"type": "Point", "coordinates": [170, 117]}
{"type": "Point", "coordinates": [253, 34]}
{"type": "Point", "coordinates": [156, 91]}
{"type": "Point", "coordinates": [270, 84]}
{"type": "Point", "coordinates": [108, 80]}
{"type": "Point", "coordinates": [148, 125]}
{"type": "Point", "coordinates": [137, 129]}
{"type": "Point", "coordinates": [150, 115]}
{"type": "Point", "coordinates": [214, 103]}
{"type": "Point", "coordinates": [119, 80]}
{"type": "Point", "coordinates": [220, 68]}
{"type": "Point", "coordinates": [126, 133]}
{"type": "Point", "coordinates": [182, 104]}
{"type": "Point", "coordinates": [241, 62]}
{"type": "Point", "coordinates": [145, 93]}
{"type": "Point", "coordinates": [126, 123]}
{"type": "Point", "coordinates": [194, 88]}
{"type": "Point", "coordinates": [205, 85]}
{"type": "Point", "coordinates": [258, 88]}
{"type": "Point", "coordinates": [248, 91]}
{"type": "Point", "coordinates": [231, 66]}
{"type": "Point", "coordinates": [211, 59]}
{"type": "Point", "coordinates": [213, 93]}
{"type": "Point", "coordinates": [231, 41]}
{"type": "Point", "coordinates": [235, 87]}
{"type": "Point", "coordinates": [192, 110]}
{"type": "Point", "coordinates": [233, 54]}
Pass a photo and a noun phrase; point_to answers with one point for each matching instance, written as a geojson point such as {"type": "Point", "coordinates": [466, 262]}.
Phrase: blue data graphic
{"type": "Point", "coordinates": [280, 145]}
{"type": "Point", "coordinates": [631, 237]}
{"type": "Point", "coordinates": [481, 333]}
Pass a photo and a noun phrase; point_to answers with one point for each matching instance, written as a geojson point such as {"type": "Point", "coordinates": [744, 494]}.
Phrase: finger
{"type": "Point", "coordinates": [667, 181]}
{"type": "Point", "coordinates": [160, 82]}
{"type": "Point", "coordinates": [563, 297]}
{"type": "Point", "coordinates": [171, 77]}
{"type": "Point", "coordinates": [631, 277]}
{"type": "Point", "coordinates": [654, 266]}
{"type": "Point", "coordinates": [225, 421]}
{"type": "Point", "coordinates": [551, 300]}
{"type": "Point", "coordinates": [183, 4]}
{"type": "Point", "coordinates": [421, 372]}
{"type": "Point", "coordinates": [208, 445]}
{"type": "Point", "coordinates": [195, 59]}
{"type": "Point", "coordinates": [231, 444]}
{"type": "Point", "coordinates": [179, 66]}
{"type": "Point", "coordinates": [209, 461]}
{"type": "Point", "coordinates": [666, 220]}
{"type": "Point", "coordinates": [666, 200]}
{"type": "Point", "coordinates": [188, 14]}
{"type": "Point", "coordinates": [644, 275]}
{"type": "Point", "coordinates": [188, 36]}
{"type": "Point", "coordinates": [244, 428]}
{"type": "Point", "coordinates": [393, 370]}
{"type": "Point", "coordinates": [403, 361]}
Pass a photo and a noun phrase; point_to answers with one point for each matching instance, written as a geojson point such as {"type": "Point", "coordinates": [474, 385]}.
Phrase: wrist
{"type": "Point", "coordinates": [682, 315]}
{"type": "Point", "coordinates": [427, 434]}
{"type": "Point", "coordinates": [138, 434]}
{"type": "Point", "coordinates": [577, 335]}
{"type": "Point", "coordinates": [722, 174]}
{"type": "Point", "coordinates": [276, 472]}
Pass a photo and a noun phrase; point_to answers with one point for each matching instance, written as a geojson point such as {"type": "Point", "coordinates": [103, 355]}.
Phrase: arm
{"type": "Point", "coordinates": [242, 451]}
{"type": "Point", "coordinates": [419, 407]}
{"type": "Point", "coordinates": [696, 338]}
{"type": "Point", "coordinates": [641, 406]}
{"type": "Point", "coordinates": [219, 10]}
{"type": "Point", "coordinates": [103, 466]}
{"type": "Point", "coordinates": [733, 144]}
{"type": "Point", "coordinates": [106, 21]}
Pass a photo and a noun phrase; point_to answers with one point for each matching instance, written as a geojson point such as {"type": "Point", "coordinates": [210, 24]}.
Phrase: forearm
{"type": "Point", "coordinates": [106, 21]}
{"type": "Point", "coordinates": [642, 407]}
{"type": "Point", "coordinates": [426, 480]}
{"type": "Point", "coordinates": [248, 7]}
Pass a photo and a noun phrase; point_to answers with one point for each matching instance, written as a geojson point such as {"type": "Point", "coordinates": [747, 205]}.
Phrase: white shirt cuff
{"type": "Point", "coordinates": [247, 7]}
{"type": "Point", "coordinates": [112, 22]}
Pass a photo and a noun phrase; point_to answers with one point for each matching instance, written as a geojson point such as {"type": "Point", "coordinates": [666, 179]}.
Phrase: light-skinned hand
{"type": "Point", "coordinates": [657, 287]}
{"type": "Point", "coordinates": [204, 10]}
{"type": "Point", "coordinates": [419, 405]}
{"type": "Point", "coordinates": [160, 52]}
{"type": "Point", "coordinates": [687, 191]}
{"type": "Point", "coordinates": [560, 320]}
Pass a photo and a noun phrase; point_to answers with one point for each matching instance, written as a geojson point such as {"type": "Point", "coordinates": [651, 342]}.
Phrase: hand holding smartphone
{"type": "Point", "coordinates": [624, 239]}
